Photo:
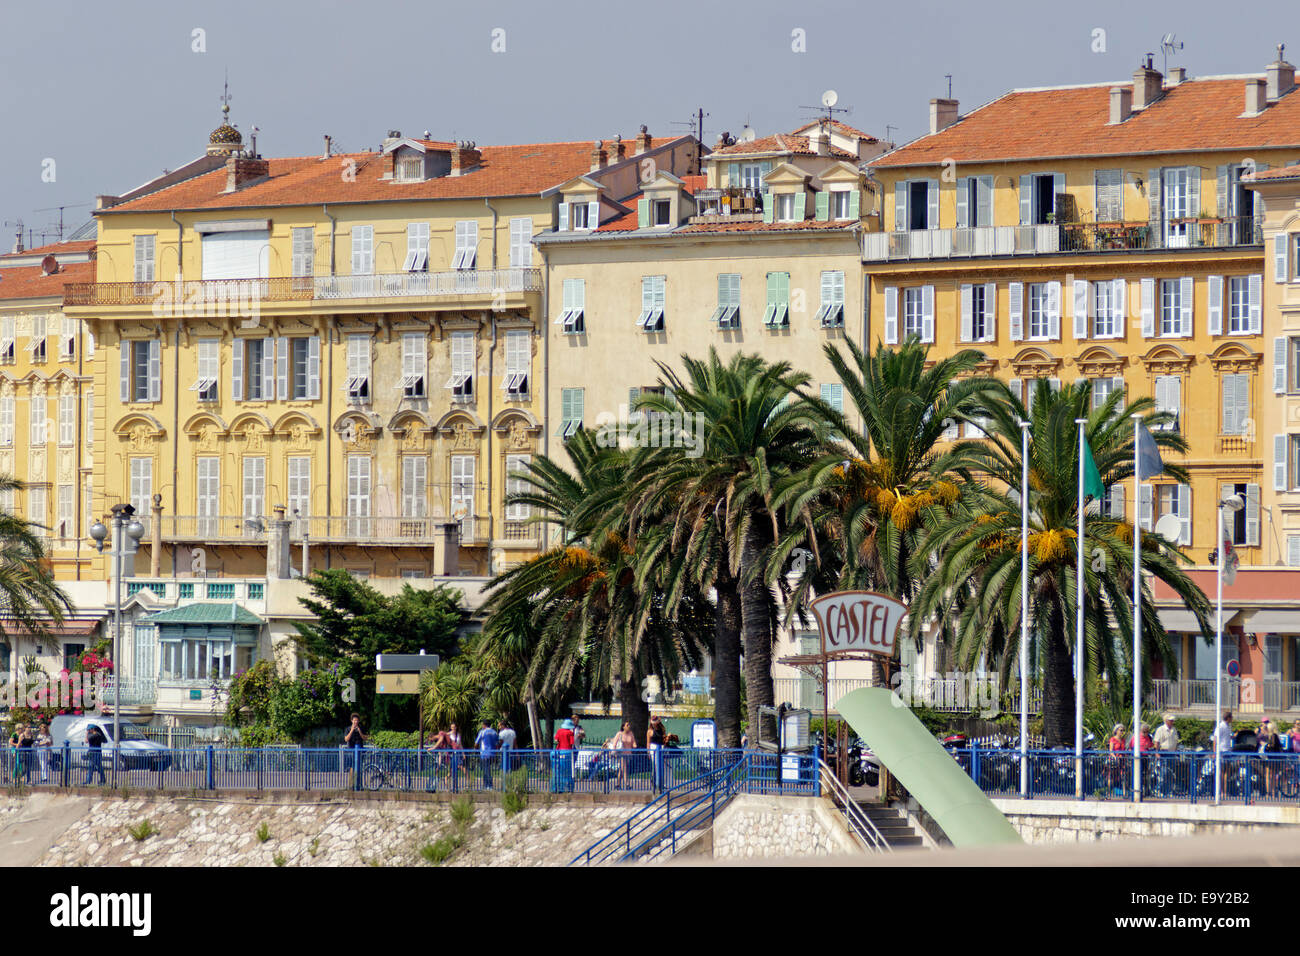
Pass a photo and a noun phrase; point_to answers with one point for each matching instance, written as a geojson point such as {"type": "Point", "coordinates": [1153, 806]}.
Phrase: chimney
{"type": "Point", "coordinates": [1255, 97]}
{"type": "Point", "coordinates": [393, 136]}
{"type": "Point", "coordinates": [155, 537]}
{"type": "Point", "coordinates": [1281, 76]}
{"type": "Point", "coordinates": [1177, 76]}
{"type": "Point", "coordinates": [1121, 104]}
{"type": "Point", "coordinates": [620, 149]}
{"type": "Point", "coordinates": [943, 113]}
{"type": "Point", "coordinates": [464, 157]}
{"type": "Point", "coordinates": [326, 154]}
{"type": "Point", "coordinates": [446, 552]}
{"type": "Point", "coordinates": [642, 141]}
{"type": "Point", "coordinates": [277, 546]}
{"type": "Point", "coordinates": [819, 140]}
{"type": "Point", "coordinates": [241, 170]}
{"type": "Point", "coordinates": [598, 155]}
{"type": "Point", "coordinates": [1148, 84]}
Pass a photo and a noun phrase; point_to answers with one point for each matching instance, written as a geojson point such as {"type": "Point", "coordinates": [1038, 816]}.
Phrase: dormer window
{"type": "Point", "coordinates": [840, 204]}
{"type": "Point", "coordinates": [662, 209]}
{"type": "Point", "coordinates": [751, 176]}
{"type": "Point", "coordinates": [410, 168]}
{"type": "Point", "coordinates": [580, 215]}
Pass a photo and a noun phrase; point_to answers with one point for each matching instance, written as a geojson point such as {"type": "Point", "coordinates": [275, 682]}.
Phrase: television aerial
{"type": "Point", "coordinates": [1169, 44]}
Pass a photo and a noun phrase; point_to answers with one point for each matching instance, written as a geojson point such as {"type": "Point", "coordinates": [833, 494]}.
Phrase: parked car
{"type": "Point", "coordinates": [136, 752]}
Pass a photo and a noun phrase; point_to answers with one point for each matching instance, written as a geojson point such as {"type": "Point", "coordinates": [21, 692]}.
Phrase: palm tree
{"type": "Point", "coordinates": [30, 598]}
{"type": "Point", "coordinates": [749, 437]}
{"type": "Point", "coordinates": [976, 581]}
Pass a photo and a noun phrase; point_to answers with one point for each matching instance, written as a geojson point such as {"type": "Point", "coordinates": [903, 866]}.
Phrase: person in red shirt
{"type": "Point", "coordinates": [564, 736]}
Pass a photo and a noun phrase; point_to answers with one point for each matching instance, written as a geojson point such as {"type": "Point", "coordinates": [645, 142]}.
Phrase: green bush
{"type": "Point", "coordinates": [441, 849]}
{"type": "Point", "coordinates": [514, 797]}
{"type": "Point", "coordinates": [394, 739]}
{"type": "Point", "coordinates": [142, 830]}
{"type": "Point", "coordinates": [462, 811]}
{"type": "Point", "coordinates": [263, 832]}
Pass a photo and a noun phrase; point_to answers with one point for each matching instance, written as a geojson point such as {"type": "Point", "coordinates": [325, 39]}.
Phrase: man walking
{"type": "Point", "coordinates": [1223, 746]}
{"type": "Point", "coordinates": [95, 741]}
{"type": "Point", "coordinates": [1167, 743]}
{"type": "Point", "coordinates": [486, 741]}
{"type": "Point", "coordinates": [506, 735]}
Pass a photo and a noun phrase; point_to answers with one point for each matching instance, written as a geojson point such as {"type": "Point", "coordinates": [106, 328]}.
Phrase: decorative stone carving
{"type": "Point", "coordinates": [66, 465]}
{"type": "Point", "coordinates": [7, 461]}
{"type": "Point", "coordinates": [208, 438]}
{"type": "Point", "coordinates": [140, 438]}
{"type": "Point", "coordinates": [36, 463]}
{"type": "Point", "coordinates": [518, 437]}
{"type": "Point", "coordinates": [412, 439]}
{"type": "Point", "coordinates": [462, 436]}
{"type": "Point", "coordinates": [253, 435]}
{"type": "Point", "coordinates": [300, 436]}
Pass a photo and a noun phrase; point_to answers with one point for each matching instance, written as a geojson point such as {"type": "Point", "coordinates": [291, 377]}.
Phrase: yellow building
{"type": "Point", "coordinates": [355, 337]}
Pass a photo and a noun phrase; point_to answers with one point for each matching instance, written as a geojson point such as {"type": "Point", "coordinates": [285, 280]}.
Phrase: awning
{"type": "Point", "coordinates": [77, 628]}
{"type": "Point", "coordinates": [1279, 621]}
{"type": "Point", "coordinates": [1178, 620]}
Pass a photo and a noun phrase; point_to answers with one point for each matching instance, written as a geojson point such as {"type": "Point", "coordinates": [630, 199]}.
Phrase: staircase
{"type": "Point", "coordinates": [892, 825]}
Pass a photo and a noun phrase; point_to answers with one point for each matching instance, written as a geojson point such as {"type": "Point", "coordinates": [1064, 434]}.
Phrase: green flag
{"type": "Point", "coordinates": [1092, 486]}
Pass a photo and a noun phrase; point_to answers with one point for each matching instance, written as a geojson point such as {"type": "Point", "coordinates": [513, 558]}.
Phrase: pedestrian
{"type": "Point", "coordinates": [579, 732]}
{"type": "Point", "coordinates": [1166, 742]}
{"type": "Point", "coordinates": [655, 739]}
{"type": "Point", "coordinates": [1223, 744]}
{"type": "Point", "coordinates": [44, 744]}
{"type": "Point", "coordinates": [1270, 744]}
{"type": "Point", "coordinates": [624, 742]}
{"type": "Point", "coordinates": [355, 739]}
{"type": "Point", "coordinates": [95, 741]}
{"type": "Point", "coordinates": [455, 746]}
{"type": "Point", "coordinates": [487, 741]}
{"type": "Point", "coordinates": [562, 769]}
{"type": "Point", "coordinates": [506, 734]}
{"type": "Point", "coordinates": [439, 741]}
{"type": "Point", "coordinates": [1114, 768]}
{"type": "Point", "coordinates": [26, 741]}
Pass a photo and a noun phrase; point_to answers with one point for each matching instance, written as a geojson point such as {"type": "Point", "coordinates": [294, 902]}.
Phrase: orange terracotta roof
{"type": "Point", "coordinates": [693, 184]}
{"type": "Point", "coordinates": [779, 143]}
{"type": "Point", "coordinates": [844, 128]}
{"type": "Point", "coordinates": [1052, 123]}
{"type": "Point", "coordinates": [807, 225]}
{"type": "Point", "coordinates": [1283, 172]}
{"type": "Point", "coordinates": [309, 180]}
{"type": "Point", "coordinates": [53, 248]}
{"type": "Point", "coordinates": [31, 283]}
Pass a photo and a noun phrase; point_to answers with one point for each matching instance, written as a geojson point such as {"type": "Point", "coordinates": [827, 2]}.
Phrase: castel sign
{"type": "Point", "coordinates": [859, 621]}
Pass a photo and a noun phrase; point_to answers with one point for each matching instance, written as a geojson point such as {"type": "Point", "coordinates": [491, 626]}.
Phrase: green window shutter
{"type": "Point", "coordinates": [784, 280]}
{"type": "Point", "coordinates": [643, 214]}
{"type": "Point", "coordinates": [773, 287]}
{"type": "Point", "coordinates": [800, 205]}
{"type": "Point", "coordinates": [735, 175]}
{"type": "Point", "coordinates": [823, 206]}
{"type": "Point", "coordinates": [855, 203]}
{"type": "Point", "coordinates": [769, 205]}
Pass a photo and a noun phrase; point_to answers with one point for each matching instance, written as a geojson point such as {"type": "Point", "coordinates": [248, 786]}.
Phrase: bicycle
{"type": "Point", "coordinates": [375, 776]}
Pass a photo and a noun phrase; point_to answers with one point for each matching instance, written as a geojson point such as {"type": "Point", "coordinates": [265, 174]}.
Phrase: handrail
{"type": "Point", "coordinates": [860, 824]}
{"type": "Point", "coordinates": [693, 815]}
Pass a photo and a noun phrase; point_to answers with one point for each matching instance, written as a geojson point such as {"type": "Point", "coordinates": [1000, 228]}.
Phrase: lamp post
{"type": "Point", "coordinates": [1234, 504]}
{"type": "Point", "coordinates": [124, 523]}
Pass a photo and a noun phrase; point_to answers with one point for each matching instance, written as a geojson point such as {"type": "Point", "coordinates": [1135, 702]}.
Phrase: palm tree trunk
{"type": "Point", "coordinates": [633, 709]}
{"type": "Point", "coordinates": [756, 641]}
{"type": "Point", "coordinates": [726, 663]}
{"type": "Point", "coordinates": [1058, 682]}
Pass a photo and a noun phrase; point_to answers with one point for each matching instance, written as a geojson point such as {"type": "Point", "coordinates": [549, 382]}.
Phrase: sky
{"type": "Point", "coordinates": [97, 98]}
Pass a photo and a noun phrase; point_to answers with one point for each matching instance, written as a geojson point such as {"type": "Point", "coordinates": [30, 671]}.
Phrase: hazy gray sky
{"type": "Point", "coordinates": [114, 93]}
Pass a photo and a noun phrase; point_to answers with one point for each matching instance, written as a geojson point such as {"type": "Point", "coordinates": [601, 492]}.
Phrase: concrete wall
{"type": "Point", "coordinates": [1066, 821]}
{"type": "Point", "coordinates": [762, 827]}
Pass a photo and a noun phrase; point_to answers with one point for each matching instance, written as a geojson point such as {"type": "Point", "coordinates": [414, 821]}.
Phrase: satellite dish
{"type": "Point", "coordinates": [49, 265]}
{"type": "Point", "coordinates": [1169, 527]}
{"type": "Point", "coordinates": [830, 98]}
{"type": "Point", "coordinates": [747, 135]}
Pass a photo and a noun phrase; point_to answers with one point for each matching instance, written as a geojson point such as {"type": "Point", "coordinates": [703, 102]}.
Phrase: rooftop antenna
{"type": "Point", "coordinates": [829, 99]}
{"type": "Point", "coordinates": [1169, 44]}
{"type": "Point", "coordinates": [18, 234]}
{"type": "Point", "coordinates": [696, 125]}
{"type": "Point", "coordinates": [949, 76]}
{"type": "Point", "coordinates": [59, 228]}
{"type": "Point", "coordinates": [889, 137]}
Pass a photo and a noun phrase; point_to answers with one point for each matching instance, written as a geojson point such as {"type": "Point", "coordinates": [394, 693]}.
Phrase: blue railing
{"type": "Point", "coordinates": [1183, 776]}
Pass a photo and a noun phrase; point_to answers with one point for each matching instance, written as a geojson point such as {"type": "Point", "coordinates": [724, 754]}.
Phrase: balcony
{"type": "Point", "coordinates": [1233, 445]}
{"type": "Point", "coordinates": [208, 295]}
{"type": "Point", "coordinates": [135, 691]}
{"type": "Point", "coordinates": [387, 531]}
{"type": "Point", "coordinates": [1073, 237]}
{"type": "Point", "coordinates": [1197, 696]}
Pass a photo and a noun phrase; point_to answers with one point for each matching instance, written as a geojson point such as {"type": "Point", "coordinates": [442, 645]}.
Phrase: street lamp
{"type": "Point", "coordinates": [123, 523]}
{"type": "Point", "coordinates": [1234, 504]}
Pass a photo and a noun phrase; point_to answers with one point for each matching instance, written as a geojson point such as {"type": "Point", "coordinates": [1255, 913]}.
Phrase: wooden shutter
{"type": "Point", "coordinates": [1016, 310]}
{"type": "Point", "coordinates": [1017, 388]}
{"type": "Point", "coordinates": [1117, 500]}
{"type": "Point", "coordinates": [1185, 515]}
{"type": "Point", "coordinates": [593, 214]}
{"type": "Point", "coordinates": [1279, 258]}
{"type": "Point", "coordinates": [155, 370]}
{"type": "Point", "coordinates": [1080, 309]}
{"type": "Point", "coordinates": [1255, 299]}
{"type": "Point", "coordinates": [984, 201]}
{"type": "Point", "coordinates": [1148, 308]}
{"type": "Point", "coordinates": [990, 311]}
{"type": "Point", "coordinates": [932, 208]}
{"type": "Point", "coordinates": [1193, 194]}
{"type": "Point", "coordinates": [900, 207]}
{"type": "Point", "coordinates": [963, 203]}
{"type": "Point", "coordinates": [237, 369]}
{"type": "Point", "coordinates": [1054, 310]}
{"type": "Point", "coordinates": [1252, 516]}
{"type": "Point", "coordinates": [1214, 293]}
{"type": "Point", "coordinates": [268, 367]}
{"type": "Point", "coordinates": [313, 367]}
{"type": "Point", "coordinates": [1026, 200]}
{"type": "Point", "coordinates": [823, 206]}
{"type": "Point", "coordinates": [1279, 463]}
{"type": "Point", "coordinates": [927, 313]}
{"type": "Point", "coordinates": [1119, 304]}
{"type": "Point", "coordinates": [891, 315]}
{"type": "Point", "coordinates": [564, 217]}
{"type": "Point", "coordinates": [769, 206]}
{"type": "Point", "coordinates": [282, 367]}
{"type": "Point", "coordinates": [125, 370]}
{"type": "Point", "coordinates": [800, 205]}
{"type": "Point", "coordinates": [1279, 365]}
{"type": "Point", "coordinates": [1293, 550]}
{"type": "Point", "coordinates": [855, 203]}
{"type": "Point", "coordinates": [1155, 185]}
{"type": "Point", "coordinates": [1187, 293]}
{"type": "Point", "coordinates": [1221, 193]}
{"type": "Point", "coordinates": [967, 320]}
{"type": "Point", "coordinates": [1144, 514]}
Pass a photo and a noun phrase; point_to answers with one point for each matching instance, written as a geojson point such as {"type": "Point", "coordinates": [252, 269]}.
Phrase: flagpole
{"type": "Point", "coordinates": [1024, 609]}
{"type": "Point", "coordinates": [1137, 612]}
{"type": "Point", "coordinates": [1078, 635]}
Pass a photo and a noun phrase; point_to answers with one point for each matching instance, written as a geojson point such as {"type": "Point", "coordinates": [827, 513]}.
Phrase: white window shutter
{"type": "Point", "coordinates": [313, 368]}
{"type": "Point", "coordinates": [593, 214]}
{"type": "Point", "coordinates": [1058, 187]}
{"type": "Point", "coordinates": [1148, 308]}
{"type": "Point", "coordinates": [1252, 516]}
{"type": "Point", "coordinates": [155, 370]}
{"type": "Point", "coordinates": [891, 315]}
{"type": "Point", "coordinates": [927, 313]}
{"type": "Point", "coordinates": [963, 204]}
{"type": "Point", "coordinates": [990, 311]}
{"type": "Point", "coordinates": [237, 369]}
{"type": "Point", "coordinates": [984, 201]}
{"type": "Point", "coordinates": [1279, 463]}
{"type": "Point", "coordinates": [268, 367]}
{"type": "Point", "coordinates": [1255, 297]}
{"type": "Point", "coordinates": [900, 206]}
{"type": "Point", "coordinates": [1017, 388]}
{"type": "Point", "coordinates": [1188, 291]}
{"type": "Point", "coordinates": [967, 303]}
{"type": "Point", "coordinates": [1279, 258]}
{"type": "Point", "coordinates": [1293, 550]}
{"type": "Point", "coordinates": [1117, 500]}
{"type": "Point", "coordinates": [1144, 515]}
{"type": "Point", "coordinates": [1279, 365]}
{"type": "Point", "coordinates": [1119, 302]}
{"type": "Point", "coordinates": [282, 367]}
{"type": "Point", "coordinates": [1185, 515]}
{"type": "Point", "coordinates": [126, 370]}
{"type": "Point", "coordinates": [1016, 310]}
{"type": "Point", "coordinates": [1214, 292]}
{"type": "Point", "coordinates": [1080, 309]}
{"type": "Point", "coordinates": [1054, 310]}
{"type": "Point", "coordinates": [1026, 200]}
{"type": "Point", "coordinates": [932, 213]}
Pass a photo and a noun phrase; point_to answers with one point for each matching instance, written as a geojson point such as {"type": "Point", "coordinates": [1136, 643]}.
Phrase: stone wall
{"type": "Point", "coordinates": [1070, 821]}
{"type": "Point", "coordinates": [760, 827]}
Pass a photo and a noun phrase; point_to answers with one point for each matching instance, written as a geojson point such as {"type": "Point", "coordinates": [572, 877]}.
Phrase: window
{"type": "Point", "coordinates": [831, 313]}
{"type": "Point", "coordinates": [67, 338]}
{"type": "Point", "coordinates": [1044, 311]}
{"type": "Point", "coordinates": [916, 204]}
{"type": "Point", "coordinates": [727, 314]}
{"type": "Point", "coordinates": [466, 244]}
{"type": "Point", "coordinates": [573, 307]}
{"type": "Point", "coordinates": [141, 487]}
{"type": "Point", "coordinates": [1235, 521]}
{"type": "Point", "coordinates": [71, 654]}
{"type": "Point", "coordinates": [1112, 506]}
{"type": "Point", "coordinates": [1038, 194]}
{"type": "Point", "coordinates": [410, 167]}
{"type": "Point", "coordinates": [653, 293]}
{"type": "Point", "coordinates": [363, 250]}
{"type": "Point", "coordinates": [37, 508]}
{"type": "Point", "coordinates": [304, 251]}
{"type": "Point", "coordinates": [207, 496]}
{"type": "Point", "coordinates": [1176, 307]}
{"type": "Point", "coordinates": [519, 365]}
{"type": "Point", "coordinates": [144, 248]}
{"type": "Point", "coordinates": [88, 418]}
{"type": "Point", "coordinates": [462, 493]}
{"type": "Point", "coordinates": [38, 415]}
{"type": "Point", "coordinates": [1176, 500]}
{"type": "Point", "coordinates": [521, 243]}
{"type": "Point", "coordinates": [414, 496]}
{"type": "Point", "coordinates": [516, 467]}
{"type": "Point", "coordinates": [358, 495]}
{"type": "Point", "coordinates": [204, 660]}
{"type": "Point", "coordinates": [461, 382]}
{"type": "Point", "coordinates": [254, 491]}
{"type": "Point", "coordinates": [777, 313]}
{"type": "Point", "coordinates": [1103, 388]}
{"type": "Point", "coordinates": [1239, 305]}
{"type": "Point", "coordinates": [299, 498]}
{"type": "Point", "coordinates": [662, 209]}
{"type": "Point", "coordinates": [65, 519]}
{"type": "Point", "coordinates": [257, 357]}
{"type": "Point", "coordinates": [579, 215]}
{"type": "Point", "coordinates": [979, 317]}
{"type": "Point", "coordinates": [302, 355]}
{"type": "Point", "coordinates": [415, 365]}
{"type": "Point", "coordinates": [833, 395]}
{"type": "Point", "coordinates": [67, 420]}
{"type": "Point", "coordinates": [36, 343]}
{"type": "Point", "coordinates": [1169, 398]}
{"type": "Point", "coordinates": [1108, 187]}
{"type": "Point", "coordinates": [571, 411]}
{"type": "Point", "coordinates": [1179, 199]}
{"type": "Point", "coordinates": [8, 405]}
{"type": "Point", "coordinates": [7, 332]}
{"type": "Point", "coordinates": [785, 207]}
{"type": "Point", "coordinates": [358, 370]}
{"type": "Point", "coordinates": [913, 311]}
{"type": "Point", "coordinates": [841, 207]}
{"type": "Point", "coordinates": [751, 176]}
{"type": "Point", "coordinates": [208, 370]}
{"type": "Point", "coordinates": [974, 202]}
{"type": "Point", "coordinates": [1236, 403]}
{"type": "Point", "coordinates": [417, 247]}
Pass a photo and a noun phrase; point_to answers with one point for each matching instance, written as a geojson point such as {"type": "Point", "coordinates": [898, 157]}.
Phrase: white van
{"type": "Point", "coordinates": [137, 751]}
